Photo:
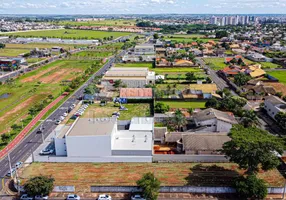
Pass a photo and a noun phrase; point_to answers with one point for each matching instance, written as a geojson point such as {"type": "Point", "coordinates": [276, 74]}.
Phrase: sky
{"type": "Point", "coordinates": [142, 6]}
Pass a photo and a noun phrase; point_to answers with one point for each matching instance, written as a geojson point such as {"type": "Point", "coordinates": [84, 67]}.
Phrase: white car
{"type": "Point", "coordinates": [40, 197]}
{"type": "Point", "coordinates": [62, 118]}
{"type": "Point", "coordinates": [18, 165]}
{"type": "Point", "coordinates": [13, 170]}
{"type": "Point", "coordinates": [26, 197]}
{"type": "Point", "coordinates": [104, 197]}
{"type": "Point", "coordinates": [47, 152]}
{"type": "Point", "coordinates": [73, 196]}
{"type": "Point", "coordinates": [137, 197]}
{"type": "Point", "coordinates": [65, 114]}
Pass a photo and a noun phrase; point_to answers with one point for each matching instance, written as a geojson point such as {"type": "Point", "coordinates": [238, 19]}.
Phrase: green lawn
{"type": "Point", "coordinates": [115, 22]}
{"type": "Point", "coordinates": [149, 65]}
{"type": "Point", "coordinates": [35, 86]}
{"type": "Point", "coordinates": [134, 110]}
{"type": "Point", "coordinates": [12, 52]}
{"type": "Point", "coordinates": [34, 60]}
{"type": "Point", "coordinates": [180, 39]}
{"type": "Point", "coordinates": [269, 65]}
{"type": "Point", "coordinates": [190, 104]}
{"type": "Point", "coordinates": [176, 70]}
{"type": "Point", "coordinates": [215, 63]}
{"type": "Point", "coordinates": [31, 46]}
{"type": "Point", "coordinates": [279, 74]}
{"type": "Point", "coordinates": [69, 34]}
{"type": "Point", "coordinates": [186, 36]}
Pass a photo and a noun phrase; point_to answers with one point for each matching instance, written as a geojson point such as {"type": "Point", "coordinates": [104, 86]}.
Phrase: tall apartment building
{"type": "Point", "coordinates": [231, 20]}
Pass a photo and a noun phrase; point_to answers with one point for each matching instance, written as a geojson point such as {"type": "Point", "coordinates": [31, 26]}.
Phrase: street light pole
{"type": "Point", "coordinates": [9, 160]}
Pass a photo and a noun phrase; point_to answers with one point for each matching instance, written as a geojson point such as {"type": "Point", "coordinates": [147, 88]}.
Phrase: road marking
{"type": "Point", "coordinates": [25, 145]}
{"type": "Point", "coordinates": [6, 164]}
{"type": "Point", "coordinates": [13, 157]}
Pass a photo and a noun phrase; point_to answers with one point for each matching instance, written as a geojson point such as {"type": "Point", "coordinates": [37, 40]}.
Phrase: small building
{"type": "Point", "coordinates": [161, 52]}
{"type": "Point", "coordinates": [131, 77]}
{"type": "Point", "coordinates": [57, 49]}
{"type": "Point", "coordinates": [159, 134]}
{"type": "Point", "coordinates": [136, 93]}
{"type": "Point", "coordinates": [99, 139]}
{"type": "Point", "coordinates": [256, 57]}
{"type": "Point", "coordinates": [212, 120]}
{"type": "Point", "coordinates": [274, 105]}
{"type": "Point", "coordinates": [8, 64]}
{"type": "Point", "coordinates": [204, 143]}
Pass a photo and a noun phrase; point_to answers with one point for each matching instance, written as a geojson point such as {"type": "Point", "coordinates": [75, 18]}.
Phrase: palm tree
{"type": "Point", "coordinates": [179, 119]}
{"type": "Point", "coordinates": [190, 111]}
{"type": "Point", "coordinates": [249, 118]}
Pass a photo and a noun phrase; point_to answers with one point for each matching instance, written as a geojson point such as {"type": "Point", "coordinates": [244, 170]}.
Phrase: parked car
{"type": "Point", "coordinates": [73, 196]}
{"type": "Point", "coordinates": [26, 197]}
{"type": "Point", "coordinates": [40, 197]}
{"type": "Point", "coordinates": [65, 114]}
{"type": "Point", "coordinates": [58, 122]}
{"type": "Point", "coordinates": [47, 152]}
{"type": "Point", "coordinates": [18, 165]}
{"type": "Point", "coordinates": [137, 197]}
{"type": "Point", "coordinates": [13, 170]}
{"type": "Point", "coordinates": [104, 197]}
{"type": "Point", "coordinates": [62, 118]}
{"type": "Point", "coordinates": [39, 131]}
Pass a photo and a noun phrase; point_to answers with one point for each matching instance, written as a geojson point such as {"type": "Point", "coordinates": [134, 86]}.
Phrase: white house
{"type": "Point", "coordinates": [274, 105]}
{"type": "Point", "coordinates": [212, 120]}
{"type": "Point", "coordinates": [98, 139]}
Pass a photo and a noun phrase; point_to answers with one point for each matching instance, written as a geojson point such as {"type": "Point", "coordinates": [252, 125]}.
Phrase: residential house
{"type": "Point", "coordinates": [274, 105]}
{"type": "Point", "coordinates": [161, 52]}
{"type": "Point", "coordinates": [212, 120]}
{"type": "Point", "coordinates": [202, 91]}
{"type": "Point", "coordinates": [231, 70]}
{"type": "Point", "coordinates": [256, 57]}
{"type": "Point", "coordinates": [257, 91]}
{"type": "Point", "coordinates": [228, 59]}
{"type": "Point", "coordinates": [131, 77]}
{"type": "Point", "coordinates": [159, 134]}
{"type": "Point", "coordinates": [203, 143]}
{"type": "Point", "coordinates": [280, 61]}
{"type": "Point", "coordinates": [8, 64]}
{"type": "Point", "coordinates": [255, 71]}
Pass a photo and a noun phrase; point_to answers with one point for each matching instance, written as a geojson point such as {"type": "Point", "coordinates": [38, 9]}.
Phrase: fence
{"type": "Point", "coordinates": [189, 158]}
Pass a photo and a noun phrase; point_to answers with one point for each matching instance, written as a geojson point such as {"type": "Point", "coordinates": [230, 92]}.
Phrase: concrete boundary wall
{"type": "Point", "coordinates": [178, 189]}
{"type": "Point", "coordinates": [189, 158]}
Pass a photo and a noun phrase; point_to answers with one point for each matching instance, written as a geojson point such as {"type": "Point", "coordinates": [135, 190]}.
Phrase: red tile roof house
{"type": "Point", "coordinates": [232, 70]}
{"type": "Point", "coordinates": [228, 59]}
{"type": "Point", "coordinates": [136, 93]}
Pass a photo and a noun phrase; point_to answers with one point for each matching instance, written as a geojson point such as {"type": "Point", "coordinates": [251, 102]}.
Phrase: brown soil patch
{"type": "Point", "coordinates": [37, 76]}
{"type": "Point", "coordinates": [279, 87]}
{"type": "Point", "coordinates": [59, 75]}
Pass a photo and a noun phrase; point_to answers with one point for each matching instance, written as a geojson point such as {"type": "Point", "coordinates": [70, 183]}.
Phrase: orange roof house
{"type": "Point", "coordinates": [231, 70]}
{"type": "Point", "coordinates": [228, 59]}
{"type": "Point", "coordinates": [136, 93]}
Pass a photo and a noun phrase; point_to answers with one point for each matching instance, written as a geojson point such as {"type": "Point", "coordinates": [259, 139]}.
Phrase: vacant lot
{"type": "Point", "coordinates": [35, 86]}
{"type": "Point", "coordinates": [93, 54]}
{"type": "Point", "coordinates": [279, 87]}
{"type": "Point", "coordinates": [149, 65]}
{"type": "Point", "coordinates": [215, 63]}
{"type": "Point", "coordinates": [176, 70]}
{"type": "Point", "coordinates": [115, 22]}
{"type": "Point", "coordinates": [69, 34]}
{"type": "Point", "coordinates": [84, 175]}
{"type": "Point", "coordinates": [279, 74]}
{"type": "Point", "coordinates": [12, 52]}
{"type": "Point", "coordinates": [134, 110]}
{"type": "Point", "coordinates": [189, 104]}
{"type": "Point", "coordinates": [269, 65]}
{"type": "Point", "coordinates": [31, 46]}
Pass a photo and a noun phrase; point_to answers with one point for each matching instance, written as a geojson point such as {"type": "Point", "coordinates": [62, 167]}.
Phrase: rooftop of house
{"type": "Point", "coordinates": [211, 113]}
{"type": "Point", "coordinates": [257, 73]}
{"type": "Point", "coordinates": [142, 124]}
{"type": "Point", "coordinates": [274, 100]}
{"type": "Point", "coordinates": [92, 127]}
{"type": "Point", "coordinates": [159, 132]}
{"type": "Point", "coordinates": [204, 141]}
{"type": "Point", "coordinates": [173, 137]}
{"type": "Point", "coordinates": [127, 72]}
{"type": "Point", "coordinates": [136, 92]}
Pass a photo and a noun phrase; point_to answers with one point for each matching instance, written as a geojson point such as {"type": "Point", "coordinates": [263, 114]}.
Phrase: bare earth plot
{"type": "Point", "coordinates": [84, 175]}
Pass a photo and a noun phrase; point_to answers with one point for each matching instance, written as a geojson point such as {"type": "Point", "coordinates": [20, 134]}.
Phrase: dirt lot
{"type": "Point", "coordinates": [38, 75]}
{"type": "Point", "coordinates": [279, 87]}
{"type": "Point", "coordinates": [84, 175]}
{"type": "Point", "coordinates": [58, 75]}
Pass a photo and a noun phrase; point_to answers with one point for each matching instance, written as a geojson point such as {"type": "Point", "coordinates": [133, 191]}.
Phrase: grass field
{"type": "Point", "coordinates": [175, 70]}
{"type": "Point", "coordinates": [42, 46]}
{"type": "Point", "coordinates": [190, 104]}
{"type": "Point", "coordinates": [93, 54]}
{"type": "Point", "coordinates": [12, 52]}
{"type": "Point", "coordinates": [134, 110]}
{"type": "Point", "coordinates": [181, 39]}
{"type": "Point", "coordinates": [84, 175]}
{"type": "Point", "coordinates": [116, 22]}
{"type": "Point", "coordinates": [186, 36]}
{"type": "Point", "coordinates": [34, 60]}
{"type": "Point", "coordinates": [149, 65]}
{"type": "Point", "coordinates": [215, 63]}
{"type": "Point", "coordinates": [279, 74]}
{"type": "Point", "coordinates": [69, 34]}
{"type": "Point", "coordinates": [33, 87]}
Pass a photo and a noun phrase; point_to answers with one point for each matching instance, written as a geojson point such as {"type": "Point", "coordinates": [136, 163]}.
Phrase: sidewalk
{"type": "Point", "coordinates": [29, 127]}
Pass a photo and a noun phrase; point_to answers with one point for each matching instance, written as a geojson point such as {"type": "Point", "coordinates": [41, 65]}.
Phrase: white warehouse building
{"type": "Point", "coordinates": [99, 140]}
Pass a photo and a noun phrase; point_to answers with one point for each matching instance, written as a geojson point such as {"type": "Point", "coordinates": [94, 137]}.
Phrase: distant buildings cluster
{"type": "Point", "coordinates": [233, 20]}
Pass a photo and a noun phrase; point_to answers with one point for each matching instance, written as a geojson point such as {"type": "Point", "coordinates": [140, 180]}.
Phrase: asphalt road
{"type": "Point", "coordinates": [31, 142]}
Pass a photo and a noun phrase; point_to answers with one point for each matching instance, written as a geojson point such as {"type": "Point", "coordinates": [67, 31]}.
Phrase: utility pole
{"type": "Point", "coordinates": [9, 160]}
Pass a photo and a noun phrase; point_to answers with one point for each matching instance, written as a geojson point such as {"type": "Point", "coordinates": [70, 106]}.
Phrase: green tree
{"type": "Point", "coordinates": [250, 187]}
{"type": "Point", "coordinates": [190, 76]}
{"type": "Point", "coordinates": [212, 103]}
{"type": "Point", "coordinates": [249, 118]}
{"type": "Point", "coordinates": [2, 46]}
{"type": "Point", "coordinates": [150, 186]}
{"type": "Point", "coordinates": [221, 34]}
{"type": "Point", "coordinates": [161, 107]}
{"type": "Point", "coordinates": [156, 36]}
{"type": "Point", "coordinates": [117, 83]}
{"type": "Point", "coordinates": [5, 137]}
{"type": "Point", "coordinates": [179, 119]}
{"type": "Point", "coordinates": [39, 185]}
{"type": "Point", "coordinates": [281, 119]}
{"type": "Point", "coordinates": [190, 111]}
{"type": "Point", "coordinates": [252, 148]}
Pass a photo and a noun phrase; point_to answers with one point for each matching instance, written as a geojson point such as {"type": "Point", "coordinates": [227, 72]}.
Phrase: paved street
{"type": "Point", "coordinates": [25, 148]}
